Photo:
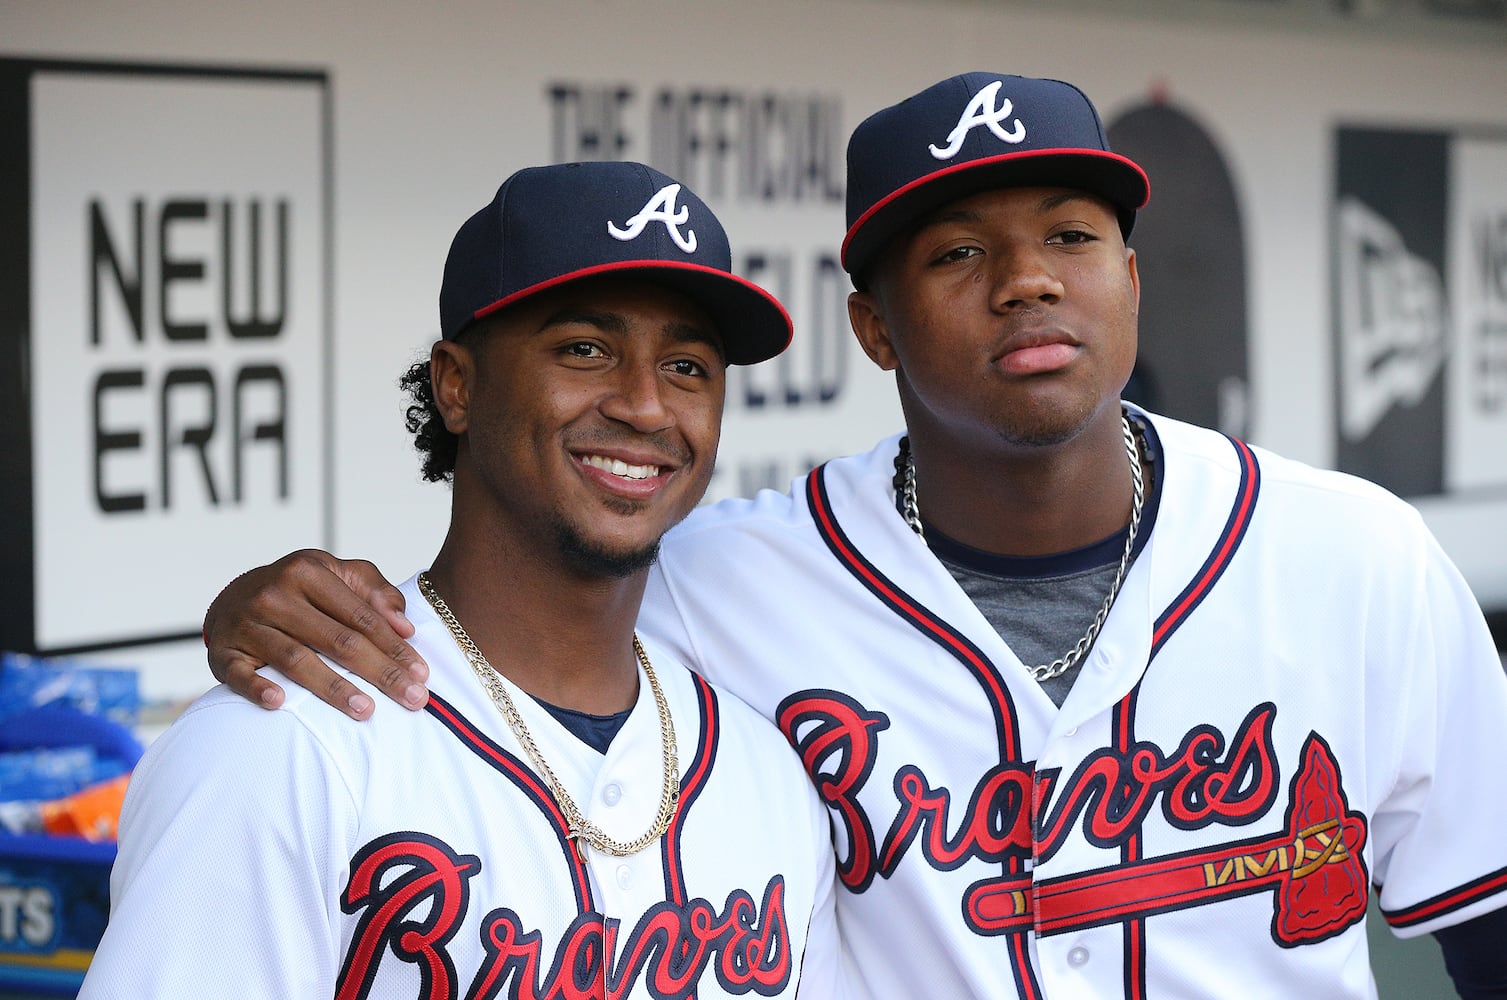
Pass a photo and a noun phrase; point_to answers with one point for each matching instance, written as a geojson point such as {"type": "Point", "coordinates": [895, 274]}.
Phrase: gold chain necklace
{"type": "Point", "coordinates": [580, 828]}
{"type": "Point", "coordinates": [906, 484]}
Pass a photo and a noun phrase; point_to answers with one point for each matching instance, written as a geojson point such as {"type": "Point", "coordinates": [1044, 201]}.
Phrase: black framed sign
{"type": "Point", "coordinates": [166, 321]}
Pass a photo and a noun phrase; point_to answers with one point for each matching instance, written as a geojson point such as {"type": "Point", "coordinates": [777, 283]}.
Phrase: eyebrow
{"type": "Point", "coordinates": [601, 319]}
{"type": "Point", "coordinates": [689, 333]}
{"type": "Point", "coordinates": [613, 322]}
{"type": "Point", "coordinates": [942, 217]}
{"type": "Point", "coordinates": [1052, 201]}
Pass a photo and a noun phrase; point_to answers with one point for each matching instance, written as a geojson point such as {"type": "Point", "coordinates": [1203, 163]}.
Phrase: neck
{"type": "Point", "coordinates": [1025, 500]}
{"type": "Point", "coordinates": [564, 639]}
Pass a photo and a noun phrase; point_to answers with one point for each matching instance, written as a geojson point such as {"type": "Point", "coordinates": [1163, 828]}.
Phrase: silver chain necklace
{"type": "Point", "coordinates": [1068, 660]}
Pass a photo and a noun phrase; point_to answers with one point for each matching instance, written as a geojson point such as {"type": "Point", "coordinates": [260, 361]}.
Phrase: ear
{"type": "Point", "coordinates": [452, 369]}
{"type": "Point", "coordinates": [867, 318]}
{"type": "Point", "coordinates": [1135, 277]}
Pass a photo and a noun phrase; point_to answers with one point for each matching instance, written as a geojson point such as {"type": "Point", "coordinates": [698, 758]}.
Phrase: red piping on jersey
{"type": "Point", "coordinates": [1134, 930]}
{"type": "Point", "coordinates": [691, 784]}
{"type": "Point", "coordinates": [1167, 623]}
{"type": "Point", "coordinates": [1229, 540]}
{"type": "Point", "coordinates": [526, 780]}
{"type": "Point", "coordinates": [963, 650]}
{"type": "Point", "coordinates": [690, 788]}
{"type": "Point", "coordinates": [923, 620]}
{"type": "Point", "coordinates": [1448, 902]}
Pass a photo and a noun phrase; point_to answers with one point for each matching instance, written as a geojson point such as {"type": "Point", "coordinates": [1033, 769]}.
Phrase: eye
{"type": "Point", "coordinates": [1072, 237]}
{"type": "Point", "coordinates": [687, 367]}
{"type": "Point", "coordinates": [585, 349]}
{"type": "Point", "coordinates": [958, 253]}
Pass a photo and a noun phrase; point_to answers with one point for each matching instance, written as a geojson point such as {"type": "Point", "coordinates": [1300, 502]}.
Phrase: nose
{"type": "Point", "coordinates": [1024, 276]}
{"type": "Point", "coordinates": [636, 397]}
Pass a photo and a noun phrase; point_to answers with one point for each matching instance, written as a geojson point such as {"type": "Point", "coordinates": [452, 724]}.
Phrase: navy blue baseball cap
{"type": "Point", "coordinates": [548, 226]}
{"type": "Point", "coordinates": [971, 133]}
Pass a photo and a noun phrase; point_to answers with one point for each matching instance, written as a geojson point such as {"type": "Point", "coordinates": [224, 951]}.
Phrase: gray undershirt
{"type": "Point", "coordinates": [1039, 613]}
{"type": "Point", "coordinates": [1039, 617]}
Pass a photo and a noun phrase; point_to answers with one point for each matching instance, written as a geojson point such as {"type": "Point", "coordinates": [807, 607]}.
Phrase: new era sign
{"type": "Point", "coordinates": [164, 310]}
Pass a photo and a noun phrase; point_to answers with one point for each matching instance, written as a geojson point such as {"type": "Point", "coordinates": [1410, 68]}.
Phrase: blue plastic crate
{"type": "Point", "coordinates": [54, 903]}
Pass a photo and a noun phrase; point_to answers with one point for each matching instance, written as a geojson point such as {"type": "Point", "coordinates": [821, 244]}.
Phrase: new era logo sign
{"type": "Point", "coordinates": [660, 208]}
{"type": "Point", "coordinates": [987, 110]}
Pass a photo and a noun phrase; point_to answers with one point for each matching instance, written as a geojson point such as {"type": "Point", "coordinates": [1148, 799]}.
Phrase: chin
{"type": "Point", "coordinates": [1048, 423]}
{"type": "Point", "coordinates": [590, 558]}
{"type": "Point", "coordinates": [1040, 433]}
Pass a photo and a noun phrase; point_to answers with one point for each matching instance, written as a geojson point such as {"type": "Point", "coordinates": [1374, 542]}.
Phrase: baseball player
{"type": "Point", "coordinates": [1101, 704]}
{"type": "Point", "coordinates": [574, 814]}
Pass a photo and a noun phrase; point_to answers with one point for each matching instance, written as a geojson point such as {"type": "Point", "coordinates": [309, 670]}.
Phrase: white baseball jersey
{"type": "Point", "coordinates": [1295, 696]}
{"type": "Point", "coordinates": [418, 855]}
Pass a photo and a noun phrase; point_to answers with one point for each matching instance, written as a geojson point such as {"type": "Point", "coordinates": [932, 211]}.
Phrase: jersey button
{"type": "Point", "coordinates": [612, 794]}
{"type": "Point", "coordinates": [1077, 957]}
{"type": "Point", "coordinates": [624, 876]}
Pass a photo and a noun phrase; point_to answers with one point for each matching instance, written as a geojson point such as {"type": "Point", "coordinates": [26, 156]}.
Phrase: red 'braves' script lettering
{"type": "Point", "coordinates": [670, 949]}
{"type": "Point", "coordinates": [415, 893]}
{"type": "Point", "coordinates": [1204, 781]}
{"type": "Point", "coordinates": [427, 872]}
{"type": "Point", "coordinates": [1197, 785]}
{"type": "Point", "coordinates": [996, 823]}
{"type": "Point", "coordinates": [836, 739]}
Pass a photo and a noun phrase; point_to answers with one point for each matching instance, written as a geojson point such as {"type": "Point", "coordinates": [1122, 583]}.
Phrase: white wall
{"type": "Point", "coordinates": [434, 103]}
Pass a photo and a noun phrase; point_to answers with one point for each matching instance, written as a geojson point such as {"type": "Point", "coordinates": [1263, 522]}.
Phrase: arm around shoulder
{"type": "Point", "coordinates": [309, 602]}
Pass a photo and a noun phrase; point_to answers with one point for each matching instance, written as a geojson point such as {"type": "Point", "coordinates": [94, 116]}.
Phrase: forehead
{"type": "Point", "coordinates": [1023, 201]}
{"type": "Point", "coordinates": [622, 304]}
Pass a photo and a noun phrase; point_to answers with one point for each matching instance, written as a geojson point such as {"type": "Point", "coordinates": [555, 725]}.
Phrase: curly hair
{"type": "Point", "coordinates": [430, 435]}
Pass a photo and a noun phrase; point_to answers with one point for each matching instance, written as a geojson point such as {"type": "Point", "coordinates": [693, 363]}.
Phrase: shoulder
{"type": "Point", "coordinates": [223, 719]}
{"type": "Point", "coordinates": [1323, 494]}
{"type": "Point", "coordinates": [303, 747]}
{"type": "Point", "coordinates": [771, 512]}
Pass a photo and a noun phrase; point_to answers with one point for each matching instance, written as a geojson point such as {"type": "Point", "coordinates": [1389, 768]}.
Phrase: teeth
{"type": "Point", "coordinates": [620, 468]}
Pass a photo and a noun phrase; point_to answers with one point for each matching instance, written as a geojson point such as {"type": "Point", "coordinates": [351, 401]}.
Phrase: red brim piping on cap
{"type": "Point", "coordinates": [748, 337]}
{"type": "Point", "coordinates": [1137, 200]}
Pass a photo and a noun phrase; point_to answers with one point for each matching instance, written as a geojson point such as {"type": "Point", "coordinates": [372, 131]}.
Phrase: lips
{"type": "Point", "coordinates": [628, 475]}
{"type": "Point", "coordinates": [618, 467]}
{"type": "Point", "coordinates": [1037, 353]}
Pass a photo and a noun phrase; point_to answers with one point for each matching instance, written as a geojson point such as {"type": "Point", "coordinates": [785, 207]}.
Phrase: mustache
{"type": "Point", "coordinates": [666, 445]}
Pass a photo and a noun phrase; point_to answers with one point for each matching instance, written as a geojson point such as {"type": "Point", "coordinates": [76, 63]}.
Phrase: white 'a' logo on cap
{"type": "Point", "coordinates": [982, 111]}
{"type": "Point", "coordinates": [660, 208]}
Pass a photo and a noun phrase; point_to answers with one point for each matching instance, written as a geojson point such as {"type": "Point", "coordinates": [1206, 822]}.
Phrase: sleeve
{"type": "Point", "coordinates": [226, 871]}
{"type": "Point", "coordinates": [1440, 856]}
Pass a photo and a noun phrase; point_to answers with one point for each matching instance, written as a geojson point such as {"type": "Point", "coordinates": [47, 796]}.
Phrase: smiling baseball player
{"type": "Point", "coordinates": [1101, 704]}
{"type": "Point", "coordinates": [575, 814]}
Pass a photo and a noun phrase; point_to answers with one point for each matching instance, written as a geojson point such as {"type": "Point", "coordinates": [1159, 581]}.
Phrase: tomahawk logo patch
{"type": "Point", "coordinates": [982, 110]}
{"type": "Point", "coordinates": [660, 208]}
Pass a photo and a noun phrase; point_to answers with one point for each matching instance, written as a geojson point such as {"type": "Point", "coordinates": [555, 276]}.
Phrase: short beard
{"type": "Point", "coordinates": [1037, 437]}
{"type": "Point", "coordinates": [590, 560]}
